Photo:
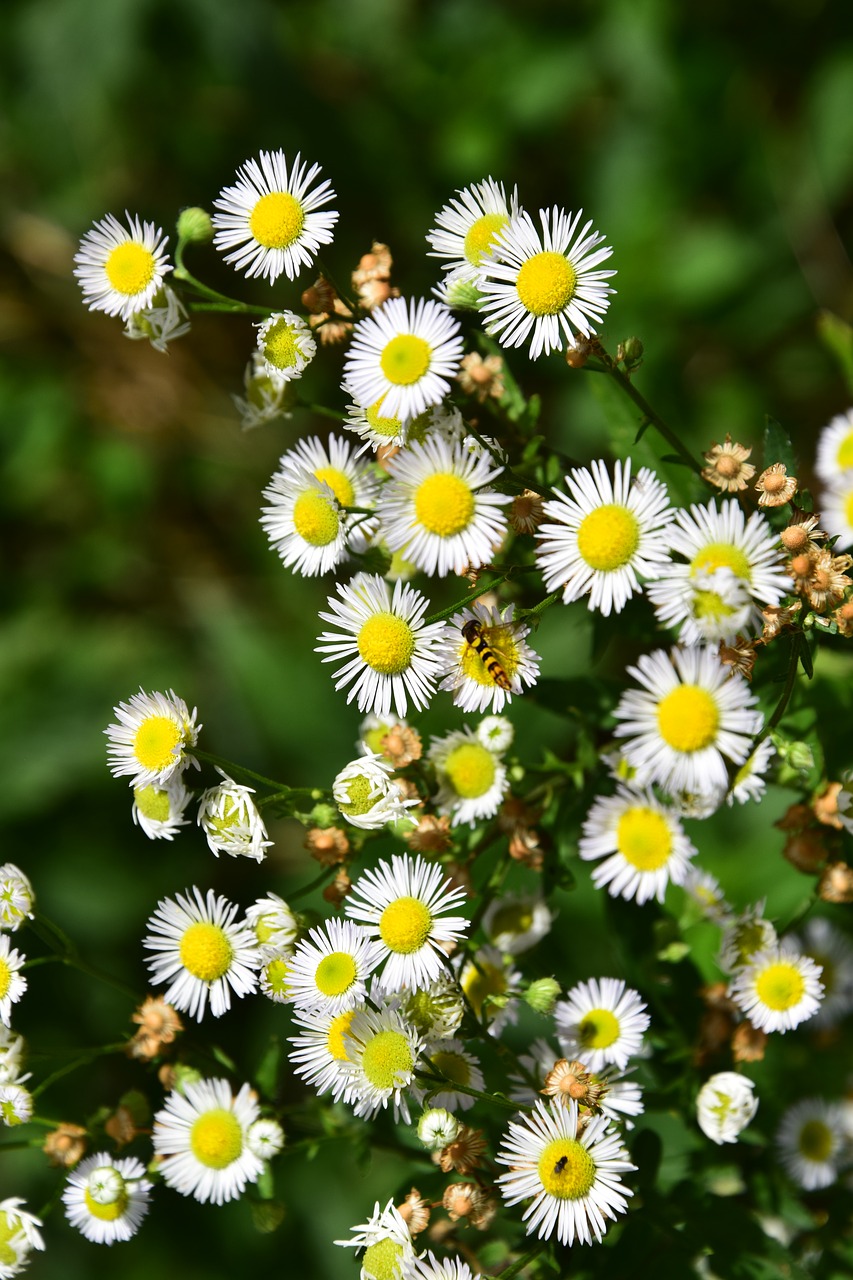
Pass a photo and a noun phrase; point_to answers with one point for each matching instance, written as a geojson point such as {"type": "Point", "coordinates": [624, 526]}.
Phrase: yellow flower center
{"type": "Point", "coordinates": [482, 234]}
{"type": "Point", "coordinates": [514, 918]}
{"type": "Point", "coordinates": [452, 1065]}
{"type": "Point", "coordinates": [444, 504]}
{"type": "Point", "coordinates": [385, 1058]}
{"type": "Point", "coordinates": [336, 1035]}
{"type": "Point", "coordinates": [277, 220]}
{"type": "Point", "coordinates": [382, 1260]}
{"type": "Point", "coordinates": [815, 1141]}
{"type": "Point", "coordinates": [205, 951]}
{"type": "Point", "coordinates": [546, 283]}
{"type": "Point", "coordinates": [404, 925]}
{"type": "Point", "coordinates": [108, 1209]}
{"type": "Point", "coordinates": [280, 346]}
{"type": "Point", "coordinates": [8, 1254]}
{"type": "Point", "coordinates": [152, 803]}
{"type": "Point", "coordinates": [608, 537]}
{"type": "Point", "coordinates": [721, 555]}
{"type": "Point", "coordinates": [373, 737]}
{"type": "Point", "coordinates": [340, 484]}
{"type": "Point", "coordinates": [5, 977]}
{"type": "Point", "coordinates": [470, 770]}
{"type": "Point", "coordinates": [335, 973]}
{"type": "Point", "coordinates": [598, 1029]}
{"type": "Point", "coordinates": [405, 359]}
{"type": "Point", "coordinates": [780, 986]}
{"type": "Point", "coordinates": [566, 1169]}
{"type": "Point", "coordinates": [479, 983]}
{"type": "Point", "coordinates": [216, 1139]}
{"type": "Point", "coordinates": [749, 938]}
{"type": "Point", "coordinates": [500, 642]}
{"type": "Point", "coordinates": [386, 643]}
{"type": "Point", "coordinates": [844, 457]}
{"type": "Point", "coordinates": [708, 604]}
{"type": "Point", "coordinates": [276, 973]}
{"type": "Point", "coordinates": [156, 741]}
{"type": "Point", "coordinates": [381, 425]}
{"type": "Point", "coordinates": [360, 791]}
{"type": "Point", "coordinates": [130, 268]}
{"type": "Point", "coordinates": [316, 518]}
{"type": "Point", "coordinates": [848, 508]}
{"type": "Point", "coordinates": [688, 718]}
{"type": "Point", "coordinates": [644, 839]}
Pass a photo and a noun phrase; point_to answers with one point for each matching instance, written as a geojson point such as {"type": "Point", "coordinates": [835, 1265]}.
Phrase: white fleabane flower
{"type": "Point", "coordinates": [535, 1066]}
{"type": "Point", "coordinates": [450, 1059]}
{"type": "Point", "coordinates": [286, 346]}
{"type": "Point", "coordinates": [544, 286]}
{"type": "Point", "coordinates": [17, 897]}
{"type": "Point", "coordinates": [373, 427]}
{"type": "Point", "coordinates": [16, 1103]}
{"type": "Point", "coordinates": [496, 733]}
{"type": "Point", "coordinates": [387, 1244]}
{"type": "Point", "coordinates": [725, 1105]}
{"type": "Point", "coordinates": [472, 780]}
{"type": "Point", "coordinates": [832, 950]}
{"type": "Point", "coordinates": [403, 355]}
{"type": "Point", "coordinates": [320, 1049]}
{"type": "Point", "coordinates": [487, 658]}
{"type": "Point", "coordinates": [271, 219]}
{"type": "Point", "coordinates": [811, 1142]}
{"type": "Point", "coordinates": [491, 984]}
{"type": "Point", "coordinates": [428, 1267]}
{"type": "Point", "coordinates": [273, 976]}
{"type": "Point", "coordinates": [153, 738]}
{"type": "Point", "coordinates": [436, 1010]}
{"type": "Point", "coordinates": [330, 967]}
{"type": "Point", "coordinates": [160, 323]}
{"type": "Point", "coordinates": [230, 820]}
{"type": "Point", "coordinates": [265, 1138]}
{"type": "Point", "coordinates": [466, 229]}
{"type": "Point", "coordinates": [367, 795]}
{"type": "Point", "coordinates": [437, 508]}
{"type": "Point", "coordinates": [778, 988]}
{"type": "Point", "coordinates": [573, 1178]}
{"type": "Point", "coordinates": [745, 934]}
{"type": "Point", "coordinates": [13, 983]}
{"type": "Point", "coordinates": [382, 1053]}
{"type": "Point", "coordinates": [159, 811]}
{"type": "Point", "coordinates": [390, 653]}
{"type": "Point", "coordinates": [706, 892]}
{"type": "Point", "coordinates": [266, 398]}
{"type": "Point", "coordinates": [274, 924]}
{"type": "Point", "coordinates": [201, 952]}
{"type": "Point", "coordinates": [749, 782]}
{"type": "Point", "coordinates": [834, 456]}
{"type": "Point", "coordinates": [601, 1021]}
{"type": "Point", "coordinates": [12, 1048]}
{"type": "Point", "coordinates": [837, 511]}
{"type": "Point", "coordinates": [607, 536]}
{"type": "Point", "coordinates": [437, 1128]}
{"type": "Point", "coordinates": [121, 270]}
{"type": "Point", "coordinates": [641, 841]}
{"type": "Point", "coordinates": [712, 539]}
{"type": "Point", "coordinates": [19, 1234]}
{"type": "Point", "coordinates": [404, 903]}
{"type": "Point", "coordinates": [202, 1136]}
{"type": "Point", "coordinates": [690, 716]}
{"type": "Point", "coordinates": [106, 1199]}
{"type": "Point", "coordinates": [515, 922]}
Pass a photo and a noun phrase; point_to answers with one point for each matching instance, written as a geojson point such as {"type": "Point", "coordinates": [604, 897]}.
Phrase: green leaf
{"type": "Point", "coordinates": [222, 1057]}
{"type": "Point", "coordinates": [777, 446]}
{"type": "Point", "coordinates": [266, 1076]}
{"type": "Point", "coordinates": [837, 336]}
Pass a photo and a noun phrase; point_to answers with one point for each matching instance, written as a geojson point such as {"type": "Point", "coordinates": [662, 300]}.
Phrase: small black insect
{"type": "Point", "coordinates": [561, 1164]}
{"type": "Point", "coordinates": [473, 634]}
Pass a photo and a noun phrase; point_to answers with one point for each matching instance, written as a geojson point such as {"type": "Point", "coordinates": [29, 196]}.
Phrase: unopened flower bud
{"type": "Point", "coordinates": [542, 994]}
{"type": "Point", "coordinates": [194, 225]}
{"type": "Point", "coordinates": [324, 815]}
{"type": "Point", "coordinates": [632, 351]}
{"type": "Point", "coordinates": [437, 1128]}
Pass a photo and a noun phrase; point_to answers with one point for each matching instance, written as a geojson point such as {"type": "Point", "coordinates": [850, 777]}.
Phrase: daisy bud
{"type": "Point", "coordinates": [542, 995]}
{"type": "Point", "coordinates": [632, 351]}
{"type": "Point", "coordinates": [194, 225]}
{"type": "Point", "coordinates": [65, 1145]}
{"type": "Point", "coordinates": [265, 1138]}
{"type": "Point", "coordinates": [725, 1106]}
{"type": "Point", "coordinates": [16, 1104]}
{"type": "Point", "coordinates": [437, 1128]}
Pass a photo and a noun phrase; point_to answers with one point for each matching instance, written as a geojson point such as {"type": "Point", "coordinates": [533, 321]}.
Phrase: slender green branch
{"type": "Point", "coordinates": [319, 880]}
{"type": "Point", "coordinates": [480, 590]}
{"type": "Point", "coordinates": [229, 307]}
{"type": "Point", "coordinates": [82, 1061]}
{"type": "Point", "coordinates": [227, 766]}
{"type": "Point", "coordinates": [650, 416]}
{"type": "Point", "coordinates": [517, 1267]}
{"type": "Point", "coordinates": [539, 609]}
{"type": "Point", "coordinates": [337, 415]}
{"type": "Point", "coordinates": [65, 952]}
{"type": "Point", "coordinates": [797, 639]}
{"type": "Point", "coordinates": [441, 1082]}
{"type": "Point", "coordinates": [222, 301]}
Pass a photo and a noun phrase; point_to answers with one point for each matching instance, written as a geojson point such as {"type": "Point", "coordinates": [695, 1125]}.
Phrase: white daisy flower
{"type": "Point", "coordinates": [749, 781]}
{"type": "Point", "coordinates": [404, 903]}
{"type": "Point", "coordinates": [266, 398]}
{"type": "Point", "coordinates": [450, 1059]}
{"type": "Point", "coordinates": [201, 952]}
{"type": "Point", "coordinates": [437, 1128]}
{"type": "Point", "coordinates": [601, 1021]}
{"type": "Point", "coordinates": [270, 220]}
{"type": "Point", "coordinates": [403, 354]}
{"type": "Point", "coordinates": [391, 653]}
{"type": "Point", "coordinates": [320, 1049]}
{"type": "Point", "coordinates": [832, 950]}
{"type": "Point", "coordinates": [162, 322]}
{"type": "Point", "coordinates": [438, 510]}
{"type": "Point", "coordinates": [515, 922]}
{"type": "Point", "coordinates": [231, 821]}
{"type": "Point", "coordinates": [428, 1267]}
{"type": "Point", "coordinates": [382, 1053]}
{"type": "Point", "coordinates": [305, 521]}
{"type": "Point", "coordinates": [711, 539]}
{"type": "Point", "coordinates": [496, 733]}
{"type": "Point", "coordinates": [274, 924]}
{"type": "Point", "coordinates": [544, 287]}
{"type": "Point", "coordinates": [572, 1178]}
{"type": "Point", "coordinates": [745, 934]}
{"type": "Point", "coordinates": [373, 729]}
{"type": "Point", "coordinates": [642, 842]}
{"type": "Point", "coordinates": [121, 270]}
{"type": "Point", "coordinates": [367, 795]}
{"type": "Point", "coordinates": [375, 428]}
{"type": "Point", "coordinates": [435, 1011]}
{"type": "Point", "coordinates": [622, 1099]}
{"type": "Point", "coordinates": [616, 1097]}
{"type": "Point", "coordinates": [286, 346]}
{"type": "Point", "coordinates": [19, 1234]}
{"type": "Point", "coordinates": [778, 989]}
{"type": "Point", "coordinates": [159, 811]}
{"type": "Point", "coordinates": [466, 229]}
{"type": "Point", "coordinates": [12, 1048]}
{"type": "Point", "coordinates": [202, 1136]}
{"type": "Point", "coordinates": [387, 1244]}
{"type": "Point", "coordinates": [153, 738]}
{"type": "Point", "coordinates": [487, 658]}
{"type": "Point", "coordinates": [691, 715]}
{"type": "Point", "coordinates": [606, 536]}
{"type": "Point", "coordinates": [706, 892]}
{"type": "Point", "coordinates": [13, 983]}
{"type": "Point", "coordinates": [834, 458]}
{"type": "Point", "coordinates": [811, 1142]}
{"type": "Point", "coordinates": [837, 511]}
{"type": "Point", "coordinates": [17, 897]}
{"type": "Point", "coordinates": [330, 967]}
{"type": "Point", "coordinates": [491, 984]}
{"type": "Point", "coordinates": [107, 1199]}
{"type": "Point", "coordinates": [725, 1105]}
{"type": "Point", "coordinates": [265, 1138]}
{"type": "Point", "coordinates": [472, 780]}
{"type": "Point", "coordinates": [534, 1067]}
{"type": "Point", "coordinates": [273, 978]}
{"type": "Point", "coordinates": [16, 1103]}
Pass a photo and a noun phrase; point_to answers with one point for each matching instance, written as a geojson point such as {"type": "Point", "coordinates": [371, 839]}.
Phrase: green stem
{"type": "Point", "coordinates": [437, 1078]}
{"type": "Point", "coordinates": [539, 609]}
{"type": "Point", "coordinates": [336, 414]}
{"type": "Point", "coordinates": [229, 307]}
{"type": "Point", "coordinates": [65, 952]}
{"type": "Point", "coordinates": [653, 419]}
{"type": "Point", "coordinates": [797, 639]}
{"type": "Point", "coordinates": [345, 299]}
{"type": "Point", "coordinates": [800, 914]}
{"type": "Point", "coordinates": [227, 766]}
{"type": "Point", "coordinates": [480, 590]}
{"type": "Point", "coordinates": [83, 1060]}
{"type": "Point", "coordinates": [517, 1267]}
{"type": "Point", "coordinates": [324, 875]}
{"type": "Point", "coordinates": [183, 274]}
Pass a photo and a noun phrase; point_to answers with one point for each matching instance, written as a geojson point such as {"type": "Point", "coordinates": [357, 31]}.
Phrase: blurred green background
{"type": "Point", "coordinates": [712, 142]}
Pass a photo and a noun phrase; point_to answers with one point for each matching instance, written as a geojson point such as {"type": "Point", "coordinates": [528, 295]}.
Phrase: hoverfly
{"type": "Point", "coordinates": [561, 1164]}
{"type": "Point", "coordinates": [472, 631]}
